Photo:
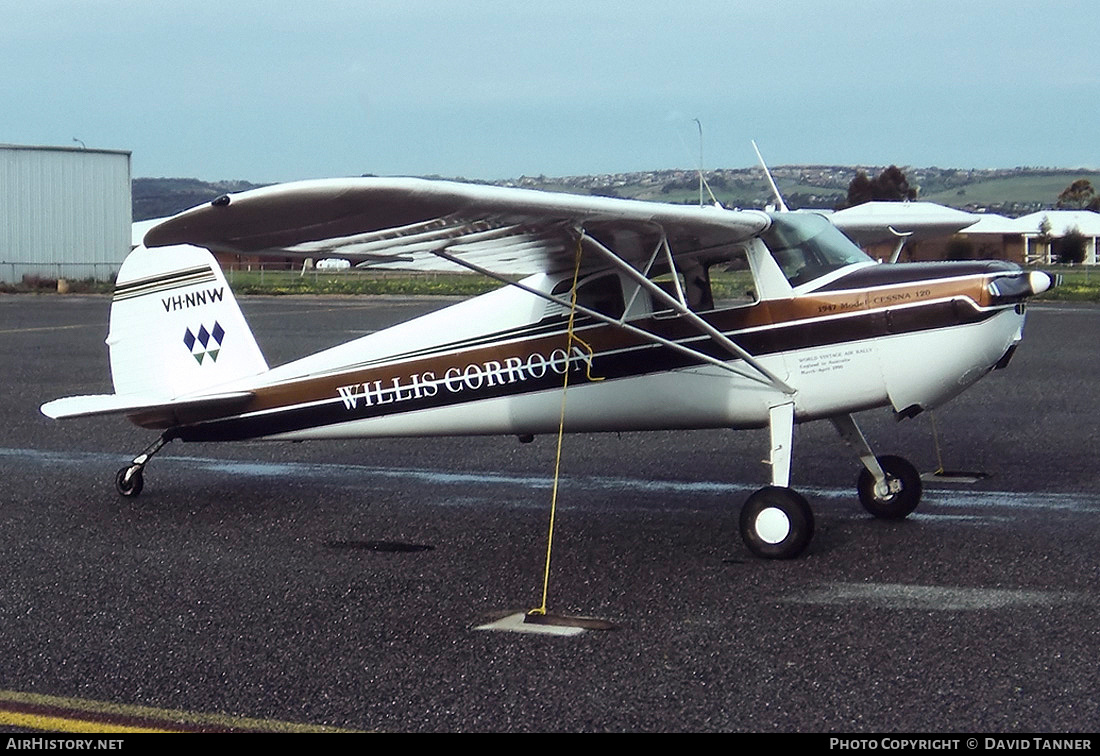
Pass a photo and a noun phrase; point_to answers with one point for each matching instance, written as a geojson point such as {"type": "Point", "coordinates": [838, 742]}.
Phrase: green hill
{"type": "Point", "coordinates": [1012, 191]}
{"type": "Point", "coordinates": [1023, 189]}
{"type": "Point", "coordinates": [161, 197]}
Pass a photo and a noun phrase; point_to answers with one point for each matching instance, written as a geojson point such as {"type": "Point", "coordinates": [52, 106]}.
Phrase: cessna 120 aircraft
{"type": "Point", "coordinates": [607, 298]}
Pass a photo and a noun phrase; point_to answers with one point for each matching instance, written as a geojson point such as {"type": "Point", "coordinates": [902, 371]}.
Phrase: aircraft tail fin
{"type": "Point", "coordinates": [176, 329]}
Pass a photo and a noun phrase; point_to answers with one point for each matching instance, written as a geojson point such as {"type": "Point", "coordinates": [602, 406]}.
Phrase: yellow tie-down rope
{"type": "Point", "coordinates": [570, 338]}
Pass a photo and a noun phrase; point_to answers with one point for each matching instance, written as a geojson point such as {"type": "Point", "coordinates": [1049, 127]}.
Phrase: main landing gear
{"type": "Point", "coordinates": [130, 479]}
{"type": "Point", "coordinates": [777, 522]}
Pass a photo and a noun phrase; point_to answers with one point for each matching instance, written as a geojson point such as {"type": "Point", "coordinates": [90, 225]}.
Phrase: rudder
{"type": "Point", "coordinates": [175, 327]}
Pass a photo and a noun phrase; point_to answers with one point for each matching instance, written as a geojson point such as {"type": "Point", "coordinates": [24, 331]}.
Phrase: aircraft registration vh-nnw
{"type": "Point", "coordinates": [608, 298]}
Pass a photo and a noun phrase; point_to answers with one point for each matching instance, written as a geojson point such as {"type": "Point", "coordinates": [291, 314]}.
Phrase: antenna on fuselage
{"type": "Point", "coordinates": [771, 181]}
{"type": "Point", "coordinates": [701, 163]}
{"type": "Point", "coordinates": [702, 177]}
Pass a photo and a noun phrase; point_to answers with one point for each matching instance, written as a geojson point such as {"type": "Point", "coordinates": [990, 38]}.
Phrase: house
{"type": "Point", "coordinates": [1028, 240]}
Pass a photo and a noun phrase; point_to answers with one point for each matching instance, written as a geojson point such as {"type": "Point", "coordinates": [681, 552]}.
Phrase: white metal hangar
{"type": "Point", "coordinates": [64, 212]}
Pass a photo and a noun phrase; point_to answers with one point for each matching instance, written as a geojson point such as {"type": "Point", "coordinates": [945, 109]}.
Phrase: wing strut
{"type": "Point", "coordinates": [672, 268]}
{"type": "Point", "coordinates": [682, 309]}
{"type": "Point", "coordinates": [645, 272]}
{"type": "Point", "coordinates": [649, 336]}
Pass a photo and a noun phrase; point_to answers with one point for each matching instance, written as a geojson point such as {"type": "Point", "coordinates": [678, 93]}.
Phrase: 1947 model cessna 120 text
{"type": "Point", "coordinates": [615, 304]}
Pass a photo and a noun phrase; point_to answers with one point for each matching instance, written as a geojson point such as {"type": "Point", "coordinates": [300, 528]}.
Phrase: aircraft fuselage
{"type": "Point", "coordinates": [906, 336]}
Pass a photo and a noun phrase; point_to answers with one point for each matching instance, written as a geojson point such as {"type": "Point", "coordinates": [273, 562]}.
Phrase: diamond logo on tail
{"type": "Point", "coordinates": [205, 343]}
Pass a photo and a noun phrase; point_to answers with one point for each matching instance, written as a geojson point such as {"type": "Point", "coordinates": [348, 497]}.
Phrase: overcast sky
{"type": "Point", "coordinates": [276, 91]}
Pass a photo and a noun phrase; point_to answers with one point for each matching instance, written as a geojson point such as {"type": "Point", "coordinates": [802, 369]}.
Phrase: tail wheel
{"type": "Point", "coordinates": [903, 489]}
{"type": "Point", "coordinates": [129, 481]}
{"type": "Point", "coordinates": [776, 523]}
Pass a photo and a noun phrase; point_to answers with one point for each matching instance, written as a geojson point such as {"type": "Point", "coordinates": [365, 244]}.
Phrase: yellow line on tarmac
{"type": "Point", "coordinates": [65, 724]}
{"type": "Point", "coordinates": [61, 714]}
{"type": "Point", "coordinates": [49, 328]}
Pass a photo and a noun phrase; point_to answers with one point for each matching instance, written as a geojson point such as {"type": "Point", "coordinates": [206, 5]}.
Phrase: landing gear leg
{"type": "Point", "coordinates": [776, 522]}
{"type": "Point", "coordinates": [129, 480]}
{"type": "Point", "coordinates": [889, 487]}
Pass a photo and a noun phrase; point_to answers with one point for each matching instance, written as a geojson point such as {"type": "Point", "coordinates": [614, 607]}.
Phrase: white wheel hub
{"type": "Point", "coordinates": [772, 525]}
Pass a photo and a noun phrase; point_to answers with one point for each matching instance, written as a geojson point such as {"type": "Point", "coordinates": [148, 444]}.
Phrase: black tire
{"type": "Point", "coordinates": [776, 523]}
{"type": "Point", "coordinates": [896, 505]}
{"type": "Point", "coordinates": [131, 487]}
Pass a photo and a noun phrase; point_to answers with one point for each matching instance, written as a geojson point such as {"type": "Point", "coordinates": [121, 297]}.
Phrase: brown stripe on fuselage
{"type": "Point", "coordinates": [765, 327]}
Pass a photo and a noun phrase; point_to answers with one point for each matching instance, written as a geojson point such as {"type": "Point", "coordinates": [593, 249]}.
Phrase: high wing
{"type": "Point", "coordinates": [497, 231]}
{"type": "Point", "coordinates": [409, 222]}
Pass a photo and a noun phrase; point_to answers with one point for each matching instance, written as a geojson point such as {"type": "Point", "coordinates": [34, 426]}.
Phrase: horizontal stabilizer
{"type": "Point", "coordinates": [136, 404]}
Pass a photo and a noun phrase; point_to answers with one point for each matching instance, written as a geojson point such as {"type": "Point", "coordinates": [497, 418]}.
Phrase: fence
{"type": "Point", "coordinates": [266, 278]}
{"type": "Point", "coordinates": [18, 272]}
{"type": "Point", "coordinates": [275, 273]}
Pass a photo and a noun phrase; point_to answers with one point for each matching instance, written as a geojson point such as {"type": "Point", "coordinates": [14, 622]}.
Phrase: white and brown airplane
{"type": "Point", "coordinates": [607, 299]}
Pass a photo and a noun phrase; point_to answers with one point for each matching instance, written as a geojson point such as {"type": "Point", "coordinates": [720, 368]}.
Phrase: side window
{"type": "Point", "coordinates": [694, 281]}
{"type": "Point", "coordinates": [602, 293]}
{"type": "Point", "coordinates": [668, 286]}
{"type": "Point", "coordinates": [732, 282]}
{"type": "Point", "coordinates": [697, 289]}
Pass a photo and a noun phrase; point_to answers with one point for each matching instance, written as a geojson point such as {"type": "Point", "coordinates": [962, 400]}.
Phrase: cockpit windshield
{"type": "Point", "coordinates": [807, 246]}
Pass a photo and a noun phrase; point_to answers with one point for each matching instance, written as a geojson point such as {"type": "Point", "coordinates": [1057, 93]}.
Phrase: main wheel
{"type": "Point", "coordinates": [129, 486]}
{"type": "Point", "coordinates": [776, 523]}
{"type": "Point", "coordinates": [904, 493]}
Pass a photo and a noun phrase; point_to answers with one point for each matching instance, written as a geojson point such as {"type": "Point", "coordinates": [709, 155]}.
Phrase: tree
{"type": "Point", "coordinates": [1079, 195]}
{"type": "Point", "coordinates": [959, 248]}
{"type": "Point", "coordinates": [1070, 249]}
{"type": "Point", "coordinates": [889, 186]}
{"type": "Point", "coordinates": [1045, 237]}
{"type": "Point", "coordinates": [860, 190]}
